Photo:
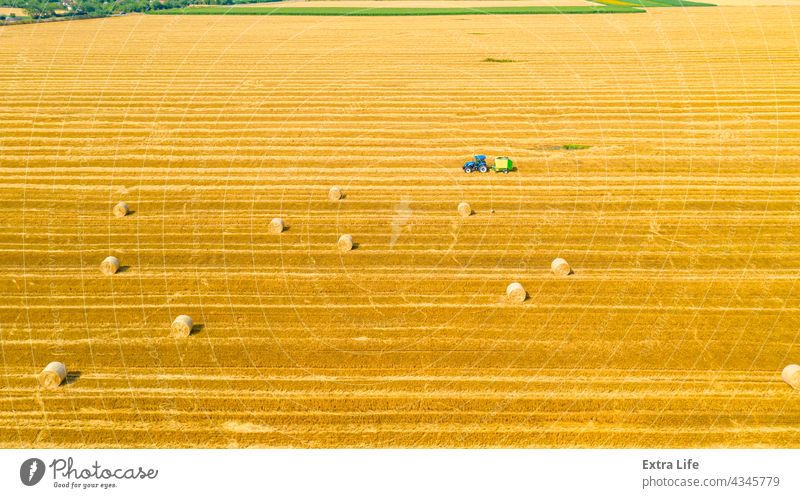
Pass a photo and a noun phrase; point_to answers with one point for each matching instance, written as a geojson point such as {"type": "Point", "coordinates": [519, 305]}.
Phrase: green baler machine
{"type": "Point", "coordinates": [503, 164]}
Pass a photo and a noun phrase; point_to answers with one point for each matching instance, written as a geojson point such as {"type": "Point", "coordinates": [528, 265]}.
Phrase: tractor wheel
{"type": "Point", "coordinates": [467, 170]}
{"type": "Point", "coordinates": [483, 169]}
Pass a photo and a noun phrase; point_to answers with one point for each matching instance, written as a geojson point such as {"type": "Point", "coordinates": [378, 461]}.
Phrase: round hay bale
{"type": "Point", "coordinates": [560, 267]}
{"type": "Point", "coordinates": [334, 194]}
{"type": "Point", "coordinates": [276, 226]}
{"type": "Point", "coordinates": [182, 326]}
{"type": "Point", "coordinates": [109, 266]}
{"type": "Point", "coordinates": [515, 292]}
{"type": "Point", "coordinates": [53, 375]}
{"type": "Point", "coordinates": [120, 210]}
{"type": "Point", "coordinates": [345, 243]}
{"type": "Point", "coordinates": [791, 375]}
{"type": "Point", "coordinates": [464, 209]}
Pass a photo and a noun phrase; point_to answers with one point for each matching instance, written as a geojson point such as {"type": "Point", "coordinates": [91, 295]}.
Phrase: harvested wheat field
{"type": "Point", "coordinates": [12, 10]}
{"type": "Point", "coordinates": [679, 223]}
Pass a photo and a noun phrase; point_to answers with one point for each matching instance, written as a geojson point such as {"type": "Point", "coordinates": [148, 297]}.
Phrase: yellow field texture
{"type": "Point", "coordinates": [13, 10]}
{"type": "Point", "coordinates": [680, 223]}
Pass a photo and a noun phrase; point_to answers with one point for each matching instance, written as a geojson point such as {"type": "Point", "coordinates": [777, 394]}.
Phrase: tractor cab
{"type": "Point", "coordinates": [478, 164]}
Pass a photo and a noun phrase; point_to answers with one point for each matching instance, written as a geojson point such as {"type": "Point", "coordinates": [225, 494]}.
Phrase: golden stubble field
{"type": "Point", "coordinates": [12, 10]}
{"type": "Point", "coordinates": [680, 222]}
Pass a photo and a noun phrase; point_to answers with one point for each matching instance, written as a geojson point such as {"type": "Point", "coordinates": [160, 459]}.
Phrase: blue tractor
{"type": "Point", "coordinates": [479, 164]}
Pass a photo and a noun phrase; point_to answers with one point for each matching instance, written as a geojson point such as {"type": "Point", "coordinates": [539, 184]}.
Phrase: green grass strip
{"type": "Point", "coordinates": [655, 3]}
{"type": "Point", "coordinates": [358, 11]}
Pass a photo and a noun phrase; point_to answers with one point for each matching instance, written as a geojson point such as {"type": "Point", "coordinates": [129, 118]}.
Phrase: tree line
{"type": "Point", "coordinates": [43, 9]}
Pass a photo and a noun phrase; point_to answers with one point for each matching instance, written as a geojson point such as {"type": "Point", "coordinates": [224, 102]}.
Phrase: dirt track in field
{"type": "Point", "coordinates": [680, 222]}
